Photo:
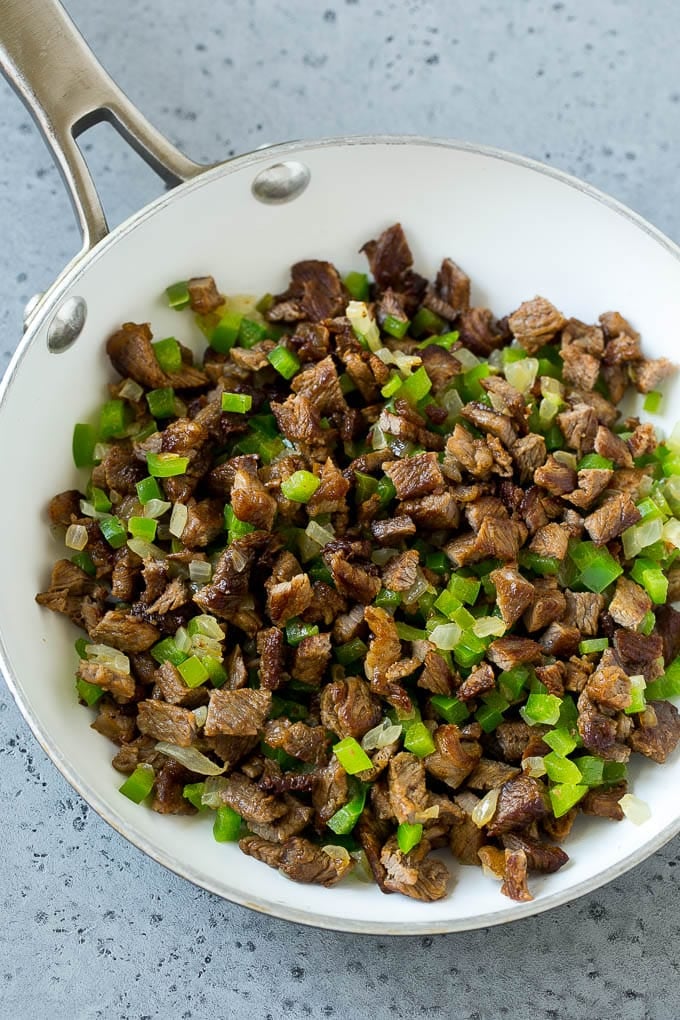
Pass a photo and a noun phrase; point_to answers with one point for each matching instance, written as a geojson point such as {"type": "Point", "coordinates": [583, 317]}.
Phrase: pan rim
{"type": "Point", "coordinates": [263, 905]}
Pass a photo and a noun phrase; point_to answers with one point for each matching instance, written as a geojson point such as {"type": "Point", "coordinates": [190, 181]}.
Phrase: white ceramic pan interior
{"type": "Point", "coordinates": [518, 229]}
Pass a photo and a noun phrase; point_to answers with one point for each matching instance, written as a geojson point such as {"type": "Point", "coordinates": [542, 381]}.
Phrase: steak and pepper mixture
{"type": "Point", "coordinates": [382, 574]}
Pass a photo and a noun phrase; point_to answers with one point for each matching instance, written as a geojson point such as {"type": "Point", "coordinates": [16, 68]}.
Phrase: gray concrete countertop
{"type": "Point", "coordinates": [90, 927]}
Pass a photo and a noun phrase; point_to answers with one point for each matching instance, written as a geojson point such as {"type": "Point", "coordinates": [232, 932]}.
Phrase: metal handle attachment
{"type": "Point", "coordinates": [50, 66]}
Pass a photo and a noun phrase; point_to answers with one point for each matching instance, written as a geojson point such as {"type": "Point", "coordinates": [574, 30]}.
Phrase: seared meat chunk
{"type": "Point", "coordinates": [111, 722]}
{"type": "Point", "coordinates": [657, 733]}
{"type": "Point", "coordinates": [252, 803]}
{"type": "Point", "coordinates": [239, 713]}
{"type": "Point", "coordinates": [330, 791]}
{"type": "Point", "coordinates": [513, 738]}
{"type": "Point", "coordinates": [507, 652]}
{"type": "Point", "coordinates": [515, 881]}
{"type": "Point", "coordinates": [407, 791]}
{"type": "Point", "coordinates": [560, 639]}
{"type": "Point", "coordinates": [63, 507]}
{"type": "Point", "coordinates": [356, 582]}
{"type": "Point", "coordinates": [120, 685]}
{"type": "Point", "coordinates": [548, 605]}
{"type": "Point", "coordinates": [453, 759]}
{"type": "Point", "coordinates": [465, 838]}
{"type": "Point", "coordinates": [579, 428]}
{"type": "Point", "coordinates": [610, 687]}
{"type": "Point", "coordinates": [204, 296]}
{"type": "Point", "coordinates": [500, 539]}
{"type": "Point", "coordinates": [391, 532]}
{"type": "Point", "coordinates": [583, 611]}
{"type": "Point", "coordinates": [320, 384]}
{"type": "Point", "coordinates": [161, 721]}
{"type": "Point", "coordinates": [250, 501]}
{"type": "Point", "coordinates": [133, 356]}
{"type": "Point", "coordinates": [630, 604]}
{"type": "Point", "coordinates": [557, 478]}
{"type": "Point", "coordinates": [648, 374]}
{"type": "Point", "coordinates": [639, 653]}
{"type": "Point", "coordinates": [288, 599]}
{"type": "Point", "coordinates": [297, 859]}
{"type": "Point", "coordinates": [480, 681]}
{"type": "Point", "coordinates": [223, 596]}
{"type": "Point", "coordinates": [604, 802]}
{"type": "Point", "coordinates": [611, 518]}
{"type": "Point", "coordinates": [415, 476]}
{"type": "Point", "coordinates": [390, 260]}
{"type": "Point", "coordinates": [436, 675]}
{"type": "Point", "coordinates": [550, 540]}
{"type": "Point", "coordinates": [308, 743]}
{"type": "Point", "coordinates": [296, 818]}
{"type": "Point", "coordinates": [552, 676]}
{"type": "Point", "coordinates": [348, 707]}
{"type": "Point", "coordinates": [529, 453]}
{"type": "Point", "coordinates": [311, 658]}
{"type": "Point", "coordinates": [121, 630]}
{"type": "Point", "coordinates": [668, 626]}
{"type": "Point", "coordinates": [401, 572]}
{"type": "Point", "coordinates": [438, 510]}
{"type": "Point", "coordinates": [488, 774]}
{"type": "Point", "coordinates": [174, 690]}
{"type": "Point", "coordinates": [480, 332]}
{"type": "Point", "coordinates": [535, 323]}
{"type": "Point", "coordinates": [414, 874]}
{"type": "Point", "coordinates": [451, 292]}
{"type": "Point", "coordinates": [598, 731]}
{"type": "Point", "coordinates": [513, 593]}
{"type": "Point", "coordinates": [491, 422]}
{"type": "Point", "coordinates": [540, 856]}
{"type": "Point", "coordinates": [521, 801]}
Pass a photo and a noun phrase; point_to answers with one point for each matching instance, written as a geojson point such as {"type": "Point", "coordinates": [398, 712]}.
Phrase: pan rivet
{"type": "Point", "coordinates": [67, 325]}
{"type": "Point", "coordinates": [281, 182]}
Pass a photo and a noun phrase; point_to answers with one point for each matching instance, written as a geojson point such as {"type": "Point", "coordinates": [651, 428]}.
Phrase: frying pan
{"type": "Point", "coordinates": [518, 228]}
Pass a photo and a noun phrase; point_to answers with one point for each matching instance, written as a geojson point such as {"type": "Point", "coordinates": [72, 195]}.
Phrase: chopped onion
{"type": "Point", "coordinates": [427, 814]}
{"type": "Point", "coordinates": [418, 588]}
{"type": "Point", "coordinates": [446, 636]}
{"type": "Point", "coordinates": [496, 359]}
{"type": "Point", "coordinates": [212, 792]}
{"type": "Point", "coordinates": [318, 534]}
{"type": "Point", "coordinates": [673, 441]}
{"type": "Point", "coordinates": [76, 536]}
{"type": "Point", "coordinates": [547, 410]}
{"type": "Point", "coordinates": [567, 459]}
{"type": "Point", "coordinates": [484, 811]}
{"type": "Point", "coordinates": [521, 374]}
{"type": "Point", "coordinates": [451, 401]}
{"type": "Point", "coordinates": [533, 767]}
{"type": "Point", "coordinates": [339, 855]}
{"type": "Point", "coordinates": [105, 655]}
{"type": "Point", "coordinates": [206, 624]}
{"type": "Point", "coordinates": [200, 715]}
{"type": "Point", "coordinates": [552, 388]}
{"type": "Point", "coordinates": [100, 451]}
{"type": "Point", "coordinates": [640, 536]}
{"type": "Point", "coordinates": [382, 556]}
{"type": "Point", "coordinates": [406, 362]}
{"type": "Point", "coordinates": [202, 645]}
{"type": "Point", "coordinates": [672, 486]}
{"type": "Point", "coordinates": [178, 519]}
{"type": "Point", "coordinates": [671, 532]}
{"type": "Point", "coordinates": [307, 547]}
{"type": "Point", "coordinates": [362, 868]}
{"type": "Point", "coordinates": [88, 510]}
{"type": "Point", "coordinates": [363, 324]}
{"type": "Point", "coordinates": [156, 508]}
{"type": "Point", "coordinates": [637, 811]}
{"type": "Point", "coordinates": [191, 758]}
{"type": "Point", "coordinates": [182, 640]}
{"type": "Point", "coordinates": [378, 440]}
{"type": "Point", "coordinates": [200, 571]}
{"type": "Point", "coordinates": [131, 390]}
{"type": "Point", "coordinates": [145, 550]}
{"type": "Point", "coordinates": [488, 626]}
{"type": "Point", "coordinates": [466, 358]}
{"type": "Point", "coordinates": [386, 732]}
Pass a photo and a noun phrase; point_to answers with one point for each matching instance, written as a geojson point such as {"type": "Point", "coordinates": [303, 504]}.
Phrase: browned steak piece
{"type": "Point", "coordinates": [521, 801]}
{"type": "Point", "coordinates": [657, 731]}
{"type": "Point", "coordinates": [239, 713]}
{"type": "Point", "coordinates": [297, 858]}
{"type": "Point", "coordinates": [172, 723]}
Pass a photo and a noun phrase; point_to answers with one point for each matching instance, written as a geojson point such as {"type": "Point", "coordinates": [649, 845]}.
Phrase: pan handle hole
{"type": "Point", "coordinates": [66, 325]}
{"type": "Point", "coordinates": [281, 182]}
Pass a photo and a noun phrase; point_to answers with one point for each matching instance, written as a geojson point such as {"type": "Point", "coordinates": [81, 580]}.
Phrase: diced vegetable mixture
{"type": "Point", "coordinates": [380, 575]}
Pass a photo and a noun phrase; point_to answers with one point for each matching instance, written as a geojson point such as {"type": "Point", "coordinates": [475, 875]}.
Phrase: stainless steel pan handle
{"type": "Point", "coordinates": [48, 63]}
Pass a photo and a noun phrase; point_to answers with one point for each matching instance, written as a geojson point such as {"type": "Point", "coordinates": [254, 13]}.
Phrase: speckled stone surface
{"type": "Point", "coordinates": [90, 927]}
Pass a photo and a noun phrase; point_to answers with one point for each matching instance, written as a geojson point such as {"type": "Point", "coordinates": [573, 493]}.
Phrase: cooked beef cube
{"type": "Point", "coordinates": [441, 367]}
{"type": "Point", "coordinates": [521, 801]}
{"type": "Point", "coordinates": [512, 738]}
{"type": "Point", "coordinates": [415, 476]}
{"type": "Point", "coordinates": [385, 646]}
{"type": "Point", "coordinates": [609, 445]}
{"type": "Point", "coordinates": [69, 592]}
{"type": "Point", "coordinates": [557, 478]}
{"type": "Point", "coordinates": [300, 422]}
{"type": "Point", "coordinates": [167, 722]}
{"type": "Point", "coordinates": [120, 685]}
{"type": "Point", "coordinates": [550, 540]}
{"type": "Point", "coordinates": [484, 506]}
{"type": "Point", "coordinates": [288, 599]}
{"type": "Point", "coordinates": [297, 858]}
{"type": "Point", "coordinates": [174, 690]}
{"type": "Point", "coordinates": [142, 750]}
{"type": "Point", "coordinates": [143, 667]}
{"type": "Point", "coordinates": [472, 454]}
{"type": "Point", "coordinates": [612, 518]}
{"type": "Point", "coordinates": [371, 834]}
{"type": "Point", "coordinates": [295, 819]}
{"type": "Point", "coordinates": [591, 483]}
{"type": "Point", "coordinates": [579, 427]}
{"type": "Point", "coordinates": [252, 803]}
{"type": "Point", "coordinates": [112, 722]}
{"type": "Point", "coordinates": [535, 323]}
{"type": "Point", "coordinates": [656, 737]}
{"type": "Point", "coordinates": [407, 791]}
{"type": "Point", "coordinates": [451, 292]}
{"type": "Point", "coordinates": [500, 539]}
{"type": "Point", "coordinates": [239, 713]}
{"type": "Point", "coordinates": [330, 496]}
{"type": "Point", "coordinates": [576, 673]}
{"type": "Point", "coordinates": [489, 774]}
{"type": "Point", "coordinates": [320, 384]}
{"type": "Point", "coordinates": [223, 597]}
{"type": "Point", "coordinates": [126, 569]}
{"type": "Point", "coordinates": [463, 550]}
{"type": "Point", "coordinates": [480, 332]}
{"type": "Point", "coordinates": [174, 596]}
{"type": "Point", "coordinates": [511, 651]}
{"type": "Point", "coordinates": [119, 470]}
{"type": "Point", "coordinates": [168, 797]}
{"type": "Point", "coordinates": [552, 676]}
{"type": "Point", "coordinates": [453, 759]}
{"type": "Point", "coordinates": [436, 511]}
{"type": "Point", "coordinates": [639, 653]}
{"type": "Point", "coordinates": [390, 261]}
{"type": "Point", "coordinates": [414, 874]}
{"type": "Point", "coordinates": [310, 341]}
{"type": "Point", "coordinates": [330, 791]}
{"type": "Point", "coordinates": [493, 862]}
{"type": "Point", "coordinates": [543, 857]}
{"type": "Point", "coordinates": [361, 584]}
{"type": "Point", "coordinates": [613, 323]}
{"type": "Point", "coordinates": [349, 625]}
{"type": "Point", "coordinates": [401, 572]}
{"type": "Point", "coordinates": [436, 675]}
{"type": "Point", "coordinates": [204, 296]}
{"type": "Point", "coordinates": [325, 605]}
{"type": "Point", "coordinates": [315, 289]}
{"type": "Point", "coordinates": [308, 743]}
{"type": "Point", "coordinates": [643, 440]}
{"type": "Point", "coordinates": [599, 731]}
{"type": "Point", "coordinates": [251, 503]}
{"type": "Point", "coordinates": [515, 881]}
{"type": "Point", "coordinates": [232, 749]}
{"type": "Point", "coordinates": [529, 453]}
{"type": "Point", "coordinates": [391, 305]}
{"type": "Point", "coordinates": [579, 368]}
{"type": "Point", "coordinates": [480, 680]}
{"type": "Point", "coordinates": [121, 630]}
{"type": "Point", "coordinates": [668, 626]}
{"type": "Point", "coordinates": [560, 639]}
{"type": "Point", "coordinates": [490, 422]}
{"type": "Point", "coordinates": [270, 650]}
{"type": "Point", "coordinates": [583, 611]}
{"type": "Point", "coordinates": [610, 687]}
{"type": "Point", "coordinates": [62, 507]}
{"type": "Point", "coordinates": [506, 399]}
{"type": "Point", "coordinates": [648, 374]}
{"type": "Point", "coordinates": [311, 658]}
{"type": "Point", "coordinates": [548, 605]}
{"type": "Point", "coordinates": [132, 355]}
{"type": "Point", "coordinates": [604, 802]}
{"type": "Point", "coordinates": [513, 593]}
{"type": "Point", "coordinates": [465, 838]}
{"type": "Point", "coordinates": [630, 604]}
{"type": "Point", "coordinates": [391, 532]}
{"type": "Point", "coordinates": [348, 707]}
